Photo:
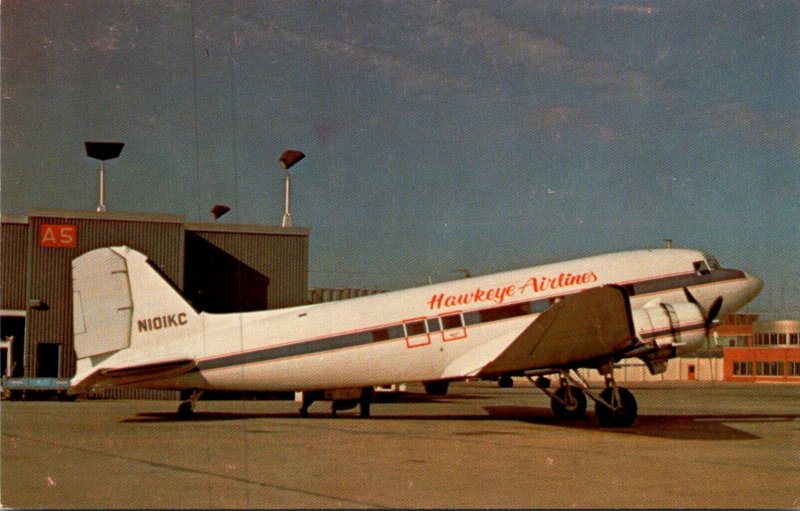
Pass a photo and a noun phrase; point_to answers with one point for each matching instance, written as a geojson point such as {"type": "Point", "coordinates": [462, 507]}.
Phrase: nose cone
{"type": "Point", "coordinates": [753, 287]}
{"type": "Point", "coordinates": [744, 293]}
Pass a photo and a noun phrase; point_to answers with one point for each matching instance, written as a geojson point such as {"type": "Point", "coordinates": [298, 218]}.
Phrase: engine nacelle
{"type": "Point", "coordinates": [680, 326]}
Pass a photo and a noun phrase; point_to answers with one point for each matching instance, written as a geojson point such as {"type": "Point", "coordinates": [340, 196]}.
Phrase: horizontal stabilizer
{"type": "Point", "coordinates": [581, 327]}
{"type": "Point", "coordinates": [131, 375]}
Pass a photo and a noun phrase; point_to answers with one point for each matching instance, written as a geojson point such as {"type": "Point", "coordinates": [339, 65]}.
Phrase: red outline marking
{"type": "Point", "coordinates": [463, 327]}
{"type": "Point", "coordinates": [409, 338]}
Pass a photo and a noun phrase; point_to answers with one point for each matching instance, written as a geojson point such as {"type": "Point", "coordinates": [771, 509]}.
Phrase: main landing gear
{"type": "Point", "coordinates": [186, 409]}
{"type": "Point", "coordinates": [615, 407]}
{"type": "Point", "coordinates": [340, 400]}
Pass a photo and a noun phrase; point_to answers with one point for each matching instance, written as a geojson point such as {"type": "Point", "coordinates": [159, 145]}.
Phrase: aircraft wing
{"type": "Point", "coordinates": [131, 375]}
{"type": "Point", "coordinates": [589, 325]}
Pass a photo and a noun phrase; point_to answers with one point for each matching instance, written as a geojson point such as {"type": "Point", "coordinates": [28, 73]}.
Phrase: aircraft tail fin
{"type": "Point", "coordinates": [121, 302]}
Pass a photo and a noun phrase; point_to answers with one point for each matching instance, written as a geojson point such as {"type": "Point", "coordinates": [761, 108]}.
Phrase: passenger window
{"type": "Point", "coordinates": [508, 311]}
{"type": "Point", "coordinates": [472, 318]}
{"type": "Point", "coordinates": [452, 321]}
{"type": "Point", "coordinates": [415, 328]}
{"type": "Point", "coordinates": [433, 325]}
{"type": "Point", "coordinates": [396, 332]}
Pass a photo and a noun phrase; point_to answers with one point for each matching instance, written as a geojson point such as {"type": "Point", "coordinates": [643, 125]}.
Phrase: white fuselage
{"type": "Point", "coordinates": [440, 331]}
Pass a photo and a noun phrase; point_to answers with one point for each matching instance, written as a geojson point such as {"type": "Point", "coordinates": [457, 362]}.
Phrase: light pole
{"type": "Point", "coordinates": [287, 159]}
{"type": "Point", "coordinates": [103, 151]}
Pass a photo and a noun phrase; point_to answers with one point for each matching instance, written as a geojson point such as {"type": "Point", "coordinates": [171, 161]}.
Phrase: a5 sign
{"type": "Point", "coordinates": [58, 235]}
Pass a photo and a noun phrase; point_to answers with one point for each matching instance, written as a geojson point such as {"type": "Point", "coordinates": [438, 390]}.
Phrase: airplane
{"type": "Point", "coordinates": [134, 329]}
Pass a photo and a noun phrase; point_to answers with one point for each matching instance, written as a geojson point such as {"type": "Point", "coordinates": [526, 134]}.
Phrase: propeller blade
{"type": "Point", "coordinates": [708, 315]}
{"type": "Point", "coordinates": [713, 311]}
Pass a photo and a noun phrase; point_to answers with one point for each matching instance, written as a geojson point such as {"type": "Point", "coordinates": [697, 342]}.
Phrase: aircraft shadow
{"type": "Point", "coordinates": [411, 397]}
{"type": "Point", "coordinates": [164, 417]}
{"type": "Point", "coordinates": [674, 427]}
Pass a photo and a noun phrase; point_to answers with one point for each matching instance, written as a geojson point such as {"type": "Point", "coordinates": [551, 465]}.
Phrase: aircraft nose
{"type": "Point", "coordinates": [752, 286]}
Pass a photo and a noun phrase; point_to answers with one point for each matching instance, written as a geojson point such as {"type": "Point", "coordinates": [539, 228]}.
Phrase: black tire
{"type": "Point", "coordinates": [570, 411]}
{"type": "Point", "coordinates": [505, 382]}
{"type": "Point", "coordinates": [623, 416]}
{"type": "Point", "coordinates": [436, 388]}
{"type": "Point", "coordinates": [185, 411]}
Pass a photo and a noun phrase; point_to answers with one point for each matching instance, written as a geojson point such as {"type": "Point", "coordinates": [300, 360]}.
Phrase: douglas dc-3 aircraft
{"type": "Point", "coordinates": [133, 329]}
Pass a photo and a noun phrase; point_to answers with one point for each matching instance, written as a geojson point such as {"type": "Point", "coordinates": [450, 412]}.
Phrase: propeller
{"type": "Point", "coordinates": [708, 315]}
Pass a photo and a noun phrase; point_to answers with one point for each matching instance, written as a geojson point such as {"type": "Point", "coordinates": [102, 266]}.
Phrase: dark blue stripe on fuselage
{"type": "Point", "coordinates": [289, 350]}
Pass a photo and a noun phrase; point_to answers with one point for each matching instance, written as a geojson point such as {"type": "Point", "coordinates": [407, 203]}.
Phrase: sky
{"type": "Point", "coordinates": [439, 136]}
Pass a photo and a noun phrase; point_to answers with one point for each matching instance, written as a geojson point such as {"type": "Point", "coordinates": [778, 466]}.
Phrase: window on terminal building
{"type": "Point", "coordinates": [793, 369]}
{"type": "Point", "coordinates": [742, 368]}
{"type": "Point", "coordinates": [769, 368]}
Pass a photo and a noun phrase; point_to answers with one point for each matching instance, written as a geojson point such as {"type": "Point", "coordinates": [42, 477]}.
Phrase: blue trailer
{"type": "Point", "coordinates": [24, 388]}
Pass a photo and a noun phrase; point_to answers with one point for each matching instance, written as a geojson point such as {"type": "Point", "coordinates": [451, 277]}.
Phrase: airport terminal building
{"type": "Point", "coordinates": [218, 267]}
{"type": "Point", "coordinates": [771, 352]}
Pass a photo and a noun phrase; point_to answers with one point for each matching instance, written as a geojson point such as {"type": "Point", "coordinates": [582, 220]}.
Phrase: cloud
{"type": "Point", "coordinates": [757, 128]}
{"type": "Point", "coordinates": [571, 7]}
{"type": "Point", "coordinates": [562, 121]}
{"type": "Point", "coordinates": [409, 74]}
{"type": "Point", "coordinates": [506, 48]}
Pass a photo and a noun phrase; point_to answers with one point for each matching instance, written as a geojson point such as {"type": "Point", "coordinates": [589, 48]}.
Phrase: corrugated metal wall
{"type": "Point", "coordinates": [283, 258]}
{"type": "Point", "coordinates": [13, 263]}
{"type": "Point", "coordinates": [34, 268]}
{"type": "Point", "coordinates": [49, 270]}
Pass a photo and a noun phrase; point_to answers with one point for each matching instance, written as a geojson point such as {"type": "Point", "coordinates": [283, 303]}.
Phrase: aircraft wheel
{"type": "Point", "coordinates": [505, 382]}
{"type": "Point", "coordinates": [620, 417]}
{"type": "Point", "coordinates": [185, 411]}
{"type": "Point", "coordinates": [570, 409]}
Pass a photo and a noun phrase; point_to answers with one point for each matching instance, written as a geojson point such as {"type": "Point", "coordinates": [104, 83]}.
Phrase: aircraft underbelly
{"type": "Point", "coordinates": [335, 369]}
{"type": "Point", "coordinates": [377, 364]}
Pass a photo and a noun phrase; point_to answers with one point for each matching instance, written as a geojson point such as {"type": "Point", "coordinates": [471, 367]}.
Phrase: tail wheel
{"type": "Point", "coordinates": [621, 413]}
{"type": "Point", "coordinates": [568, 403]}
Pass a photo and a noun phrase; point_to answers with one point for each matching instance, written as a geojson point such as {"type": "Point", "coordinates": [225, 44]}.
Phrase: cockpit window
{"type": "Point", "coordinates": [705, 267]}
{"type": "Point", "coordinates": [701, 268]}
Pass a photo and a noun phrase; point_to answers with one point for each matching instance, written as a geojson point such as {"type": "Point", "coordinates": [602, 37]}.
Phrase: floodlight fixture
{"type": "Point", "coordinates": [290, 157]}
{"type": "Point", "coordinates": [218, 210]}
{"type": "Point", "coordinates": [287, 159]}
{"type": "Point", "coordinates": [103, 151]}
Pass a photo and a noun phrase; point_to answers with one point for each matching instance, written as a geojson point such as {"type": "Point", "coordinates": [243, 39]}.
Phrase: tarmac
{"type": "Point", "coordinates": [693, 445]}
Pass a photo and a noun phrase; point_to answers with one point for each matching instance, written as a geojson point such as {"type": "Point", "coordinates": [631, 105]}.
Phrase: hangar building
{"type": "Point", "coordinates": [218, 267]}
